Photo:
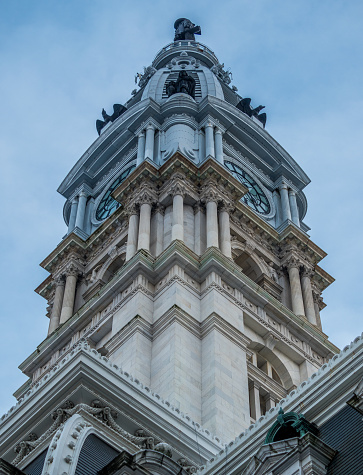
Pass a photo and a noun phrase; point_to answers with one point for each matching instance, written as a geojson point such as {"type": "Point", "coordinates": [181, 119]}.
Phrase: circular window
{"type": "Point", "coordinates": [255, 198]}
{"type": "Point", "coordinates": [107, 204]}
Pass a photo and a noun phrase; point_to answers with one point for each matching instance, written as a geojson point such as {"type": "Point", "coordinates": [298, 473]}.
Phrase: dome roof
{"type": "Point", "coordinates": [170, 63]}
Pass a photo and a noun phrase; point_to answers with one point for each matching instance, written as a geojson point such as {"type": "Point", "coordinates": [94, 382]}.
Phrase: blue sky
{"type": "Point", "coordinates": [62, 62]}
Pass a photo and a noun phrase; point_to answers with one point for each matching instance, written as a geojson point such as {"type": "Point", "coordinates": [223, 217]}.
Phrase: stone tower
{"type": "Point", "coordinates": [184, 300]}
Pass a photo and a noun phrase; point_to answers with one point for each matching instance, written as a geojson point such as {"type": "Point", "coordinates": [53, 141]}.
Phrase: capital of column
{"type": "Point", "coordinates": [293, 262]}
{"type": "Point", "coordinates": [131, 210]}
{"type": "Point", "coordinates": [292, 192]}
{"type": "Point", "coordinates": [72, 269]}
{"type": "Point", "coordinates": [283, 186]}
{"type": "Point", "coordinates": [218, 131]}
{"type": "Point", "coordinates": [199, 206]}
{"type": "Point", "coordinates": [307, 272]}
{"type": "Point", "coordinates": [318, 299]}
{"type": "Point", "coordinates": [150, 126]}
{"type": "Point", "coordinates": [178, 189]}
{"type": "Point", "coordinates": [225, 205]}
{"type": "Point", "coordinates": [145, 196]}
{"type": "Point", "coordinates": [158, 208]}
{"type": "Point", "coordinates": [210, 194]}
{"type": "Point", "coordinates": [141, 134]}
{"type": "Point", "coordinates": [59, 281]}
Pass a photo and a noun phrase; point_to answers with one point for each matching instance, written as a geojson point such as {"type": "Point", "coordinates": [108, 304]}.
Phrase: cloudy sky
{"type": "Point", "coordinates": [62, 62]}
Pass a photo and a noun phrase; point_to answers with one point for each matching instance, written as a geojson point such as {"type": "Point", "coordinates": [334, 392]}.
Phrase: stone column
{"type": "Point", "coordinates": [308, 296]}
{"type": "Point", "coordinates": [219, 146]}
{"type": "Point", "coordinates": [212, 223]}
{"type": "Point", "coordinates": [224, 232]}
{"type": "Point", "coordinates": [82, 201]}
{"type": "Point", "coordinates": [270, 402]}
{"type": "Point", "coordinates": [140, 148]}
{"type": "Point", "coordinates": [144, 227]}
{"type": "Point", "coordinates": [255, 401]}
{"type": "Point", "coordinates": [57, 305]}
{"type": "Point", "coordinates": [209, 140]}
{"type": "Point", "coordinates": [72, 217]}
{"type": "Point", "coordinates": [69, 294]}
{"type": "Point", "coordinates": [317, 302]}
{"type": "Point", "coordinates": [295, 286]}
{"type": "Point", "coordinates": [277, 202]}
{"type": "Point", "coordinates": [158, 232]}
{"type": "Point", "coordinates": [199, 229]}
{"type": "Point", "coordinates": [177, 230]}
{"type": "Point", "coordinates": [293, 207]}
{"type": "Point", "coordinates": [285, 204]}
{"type": "Point", "coordinates": [149, 146]}
{"type": "Point", "coordinates": [132, 233]}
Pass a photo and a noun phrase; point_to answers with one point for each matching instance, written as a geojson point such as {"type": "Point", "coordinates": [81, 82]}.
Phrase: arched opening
{"type": "Point", "coordinates": [249, 266]}
{"type": "Point", "coordinates": [113, 268]}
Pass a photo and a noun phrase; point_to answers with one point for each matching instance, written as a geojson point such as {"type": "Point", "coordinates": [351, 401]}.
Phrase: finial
{"type": "Point", "coordinates": [185, 30]}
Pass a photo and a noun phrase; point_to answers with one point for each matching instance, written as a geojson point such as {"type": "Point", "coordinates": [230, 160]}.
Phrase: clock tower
{"type": "Point", "coordinates": [184, 300]}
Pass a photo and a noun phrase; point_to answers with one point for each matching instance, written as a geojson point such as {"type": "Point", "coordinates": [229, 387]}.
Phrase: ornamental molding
{"type": "Point", "coordinates": [145, 194]}
{"type": "Point", "coordinates": [179, 119]}
{"type": "Point", "coordinates": [102, 412]}
{"type": "Point", "coordinates": [116, 169]}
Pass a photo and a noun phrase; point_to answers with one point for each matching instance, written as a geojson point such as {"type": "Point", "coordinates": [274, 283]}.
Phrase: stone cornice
{"type": "Point", "coordinates": [84, 367]}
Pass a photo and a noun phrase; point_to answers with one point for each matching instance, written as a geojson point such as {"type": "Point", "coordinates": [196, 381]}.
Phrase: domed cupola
{"type": "Point", "coordinates": [184, 58]}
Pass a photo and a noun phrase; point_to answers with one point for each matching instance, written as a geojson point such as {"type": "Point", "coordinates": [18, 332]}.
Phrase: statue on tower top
{"type": "Point", "coordinates": [185, 30]}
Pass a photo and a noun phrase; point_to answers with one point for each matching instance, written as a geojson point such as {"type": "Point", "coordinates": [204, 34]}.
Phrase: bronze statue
{"type": "Point", "coordinates": [245, 106]}
{"type": "Point", "coordinates": [184, 84]}
{"type": "Point", "coordinates": [118, 110]}
{"type": "Point", "coordinates": [185, 30]}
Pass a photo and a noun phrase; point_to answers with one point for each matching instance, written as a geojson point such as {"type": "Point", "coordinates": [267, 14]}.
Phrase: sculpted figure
{"type": "Point", "coordinates": [185, 30]}
{"type": "Point", "coordinates": [118, 110]}
{"type": "Point", "coordinates": [245, 106]}
{"type": "Point", "coordinates": [184, 84]}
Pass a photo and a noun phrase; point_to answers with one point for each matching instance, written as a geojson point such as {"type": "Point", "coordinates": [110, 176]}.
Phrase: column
{"type": "Point", "coordinates": [72, 217]}
{"type": "Point", "coordinates": [177, 230]}
{"type": "Point", "coordinates": [308, 296]}
{"type": "Point", "coordinates": [209, 140]}
{"type": "Point", "coordinates": [270, 402]}
{"type": "Point", "coordinates": [212, 224]}
{"type": "Point", "coordinates": [219, 146]}
{"type": "Point", "coordinates": [285, 204]}
{"type": "Point", "coordinates": [69, 294]}
{"type": "Point", "coordinates": [132, 234]}
{"type": "Point", "coordinates": [317, 300]}
{"type": "Point", "coordinates": [157, 230]}
{"type": "Point", "coordinates": [293, 207]}
{"type": "Point", "coordinates": [140, 148]}
{"type": "Point", "coordinates": [255, 401]}
{"type": "Point", "coordinates": [144, 227]}
{"type": "Point", "coordinates": [277, 201]}
{"type": "Point", "coordinates": [149, 145]}
{"type": "Point", "coordinates": [199, 229]}
{"type": "Point", "coordinates": [295, 286]}
{"type": "Point", "coordinates": [82, 201]}
{"type": "Point", "coordinates": [224, 232]}
{"type": "Point", "coordinates": [57, 305]}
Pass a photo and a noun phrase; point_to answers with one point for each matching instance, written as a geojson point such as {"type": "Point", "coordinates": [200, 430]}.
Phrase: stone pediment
{"type": "Point", "coordinates": [292, 456]}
